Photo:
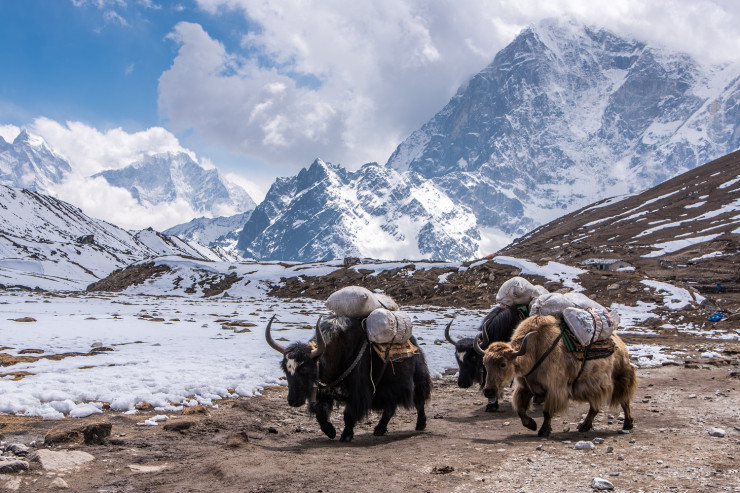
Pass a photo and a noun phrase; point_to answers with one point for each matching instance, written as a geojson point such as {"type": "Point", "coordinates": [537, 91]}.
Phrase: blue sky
{"type": "Point", "coordinates": [98, 65]}
{"type": "Point", "coordinates": [260, 88]}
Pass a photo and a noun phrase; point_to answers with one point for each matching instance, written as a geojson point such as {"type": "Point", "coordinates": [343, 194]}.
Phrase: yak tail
{"type": "Point", "coordinates": [625, 385]}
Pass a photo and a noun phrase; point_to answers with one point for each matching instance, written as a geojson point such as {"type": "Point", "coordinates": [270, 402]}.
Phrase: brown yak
{"type": "Point", "coordinates": [610, 380]}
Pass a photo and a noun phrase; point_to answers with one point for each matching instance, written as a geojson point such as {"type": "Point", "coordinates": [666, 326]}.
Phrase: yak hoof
{"type": "Point", "coordinates": [491, 407]}
{"type": "Point", "coordinates": [421, 424]}
{"type": "Point", "coordinates": [544, 432]}
{"type": "Point", "coordinates": [379, 431]}
{"type": "Point", "coordinates": [328, 430]}
{"type": "Point", "coordinates": [347, 436]}
{"type": "Point", "coordinates": [628, 423]}
{"type": "Point", "coordinates": [531, 424]}
{"type": "Point", "coordinates": [583, 427]}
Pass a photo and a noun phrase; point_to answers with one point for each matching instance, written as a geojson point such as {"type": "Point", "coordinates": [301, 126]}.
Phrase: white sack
{"type": "Point", "coordinates": [555, 303]}
{"type": "Point", "coordinates": [516, 291]}
{"type": "Point", "coordinates": [385, 326]}
{"type": "Point", "coordinates": [585, 323]}
{"type": "Point", "coordinates": [358, 302]}
{"type": "Point", "coordinates": [386, 301]}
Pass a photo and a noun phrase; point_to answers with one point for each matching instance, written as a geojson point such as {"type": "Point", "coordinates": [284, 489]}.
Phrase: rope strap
{"type": "Point", "coordinates": [348, 370]}
{"type": "Point", "coordinates": [545, 355]}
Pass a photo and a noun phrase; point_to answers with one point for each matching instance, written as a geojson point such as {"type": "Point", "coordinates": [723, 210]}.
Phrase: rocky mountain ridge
{"type": "Point", "coordinates": [49, 244]}
{"type": "Point", "coordinates": [564, 116]}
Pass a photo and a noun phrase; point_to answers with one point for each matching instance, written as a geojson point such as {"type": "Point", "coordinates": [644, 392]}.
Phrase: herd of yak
{"type": "Point", "coordinates": [341, 365]}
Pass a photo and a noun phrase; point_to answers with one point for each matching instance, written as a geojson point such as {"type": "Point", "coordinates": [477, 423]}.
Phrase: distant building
{"type": "Point", "coordinates": [350, 261]}
{"type": "Point", "coordinates": [606, 264]}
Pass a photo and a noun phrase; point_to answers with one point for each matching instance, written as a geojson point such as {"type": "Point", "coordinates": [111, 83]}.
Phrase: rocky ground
{"type": "Point", "coordinates": [686, 435]}
{"type": "Point", "coordinates": [686, 438]}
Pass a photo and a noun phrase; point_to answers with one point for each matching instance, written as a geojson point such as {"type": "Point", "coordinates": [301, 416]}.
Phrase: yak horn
{"type": "Point", "coordinates": [523, 348]}
{"type": "Point", "coordinates": [447, 332]}
{"type": "Point", "coordinates": [320, 344]}
{"type": "Point", "coordinates": [476, 345]}
{"type": "Point", "coordinates": [274, 345]}
{"type": "Point", "coordinates": [484, 333]}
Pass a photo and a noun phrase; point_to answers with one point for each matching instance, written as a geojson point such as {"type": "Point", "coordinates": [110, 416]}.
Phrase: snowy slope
{"type": "Point", "coordinates": [52, 245]}
{"type": "Point", "coordinates": [218, 233]}
{"type": "Point", "coordinates": [690, 223]}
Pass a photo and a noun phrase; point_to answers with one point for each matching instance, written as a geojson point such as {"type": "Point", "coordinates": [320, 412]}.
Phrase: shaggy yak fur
{"type": "Point", "coordinates": [315, 375]}
{"type": "Point", "coordinates": [609, 380]}
{"type": "Point", "coordinates": [498, 325]}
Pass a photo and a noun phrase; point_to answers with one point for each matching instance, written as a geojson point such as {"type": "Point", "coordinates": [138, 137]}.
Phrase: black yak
{"type": "Point", "coordinates": [344, 368]}
{"type": "Point", "coordinates": [498, 325]}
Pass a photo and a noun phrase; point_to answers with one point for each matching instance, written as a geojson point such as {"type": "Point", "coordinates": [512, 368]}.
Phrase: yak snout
{"type": "Point", "coordinates": [490, 392]}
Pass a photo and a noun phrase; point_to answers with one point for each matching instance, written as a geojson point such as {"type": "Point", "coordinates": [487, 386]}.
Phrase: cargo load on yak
{"type": "Point", "coordinates": [587, 320]}
{"type": "Point", "coordinates": [518, 291]}
{"type": "Point", "coordinates": [358, 302]}
{"type": "Point", "coordinates": [387, 328]}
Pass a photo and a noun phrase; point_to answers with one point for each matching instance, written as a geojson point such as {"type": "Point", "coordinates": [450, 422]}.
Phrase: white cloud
{"type": "Point", "coordinates": [347, 81]}
{"type": "Point", "coordinates": [91, 150]}
{"type": "Point", "coordinates": [100, 200]}
{"type": "Point", "coordinates": [9, 132]}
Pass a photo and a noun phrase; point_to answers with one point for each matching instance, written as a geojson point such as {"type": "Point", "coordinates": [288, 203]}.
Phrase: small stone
{"type": "Point", "coordinates": [179, 425]}
{"type": "Point", "coordinates": [59, 461]}
{"type": "Point", "coordinates": [717, 432]}
{"type": "Point", "coordinates": [610, 450]}
{"type": "Point", "coordinates": [624, 432]}
{"type": "Point", "coordinates": [601, 484]}
{"type": "Point", "coordinates": [11, 466]}
{"type": "Point", "coordinates": [96, 433]}
{"type": "Point", "coordinates": [59, 484]}
{"type": "Point", "coordinates": [598, 441]}
{"type": "Point", "coordinates": [140, 468]}
{"type": "Point", "coordinates": [585, 446]}
{"type": "Point", "coordinates": [17, 449]}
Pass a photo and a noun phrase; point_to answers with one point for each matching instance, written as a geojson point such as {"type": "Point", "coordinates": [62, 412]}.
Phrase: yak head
{"type": "Point", "coordinates": [469, 362]}
{"type": "Point", "coordinates": [300, 366]}
{"type": "Point", "coordinates": [499, 361]}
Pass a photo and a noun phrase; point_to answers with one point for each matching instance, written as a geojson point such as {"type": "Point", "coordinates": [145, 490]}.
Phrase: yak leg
{"type": "Point", "coordinates": [382, 425]}
{"type": "Point", "coordinates": [322, 408]}
{"type": "Point", "coordinates": [521, 399]}
{"type": "Point", "coordinates": [546, 427]}
{"type": "Point", "coordinates": [349, 425]}
{"type": "Point", "coordinates": [492, 405]}
{"type": "Point", "coordinates": [627, 416]}
{"type": "Point", "coordinates": [548, 411]}
{"type": "Point", "coordinates": [421, 415]}
{"type": "Point", "coordinates": [588, 421]}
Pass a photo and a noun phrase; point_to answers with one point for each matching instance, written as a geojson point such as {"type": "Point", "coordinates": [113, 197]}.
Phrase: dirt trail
{"type": "Point", "coordinates": [261, 445]}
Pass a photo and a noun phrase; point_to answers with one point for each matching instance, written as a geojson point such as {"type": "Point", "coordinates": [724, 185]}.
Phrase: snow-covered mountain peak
{"type": "Point", "coordinates": [28, 162]}
{"type": "Point", "coordinates": [169, 176]}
